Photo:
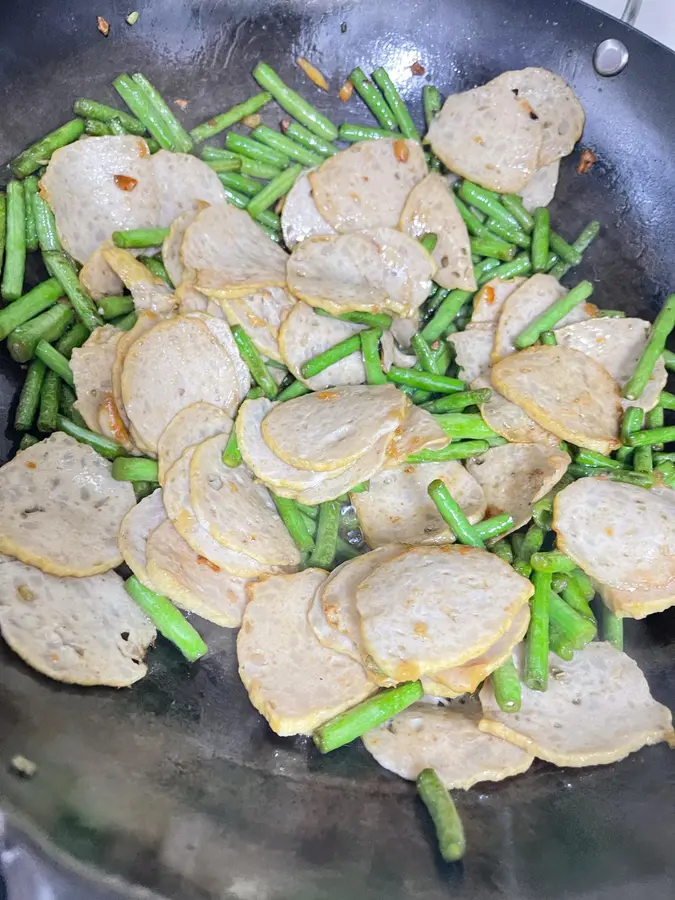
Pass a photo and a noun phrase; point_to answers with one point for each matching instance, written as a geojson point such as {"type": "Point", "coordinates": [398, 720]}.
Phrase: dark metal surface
{"type": "Point", "coordinates": [177, 785]}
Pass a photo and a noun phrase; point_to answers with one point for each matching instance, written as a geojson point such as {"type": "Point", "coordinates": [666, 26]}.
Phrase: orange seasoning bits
{"type": "Point", "coordinates": [312, 73]}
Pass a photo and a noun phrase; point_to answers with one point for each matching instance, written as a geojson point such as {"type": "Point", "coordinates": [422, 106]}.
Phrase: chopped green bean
{"type": "Point", "coordinates": [142, 106]}
{"type": "Point", "coordinates": [373, 99]}
{"type": "Point", "coordinates": [168, 620]}
{"type": "Point", "coordinates": [15, 242]}
{"type": "Point", "coordinates": [286, 146]}
{"type": "Point", "coordinates": [446, 313]}
{"type": "Point", "coordinates": [157, 267]}
{"type": "Point", "coordinates": [219, 123]}
{"type": "Point", "coordinates": [553, 314]}
{"type": "Point", "coordinates": [45, 225]}
{"type": "Point", "coordinates": [94, 128]}
{"type": "Point", "coordinates": [55, 361]}
{"type": "Point", "coordinates": [134, 468]}
{"type": "Point", "coordinates": [471, 220]}
{"type": "Point", "coordinates": [331, 356]}
{"type": "Point", "coordinates": [395, 103]}
{"type": "Point", "coordinates": [463, 426]}
{"type": "Point", "coordinates": [61, 267]}
{"type": "Point", "coordinates": [540, 239]}
{"type": "Point", "coordinates": [231, 453]}
{"type": "Point", "coordinates": [249, 187]}
{"type": "Point", "coordinates": [548, 338]}
{"type": "Point", "coordinates": [28, 440]}
{"type": "Point", "coordinates": [669, 360]}
{"type": "Point", "coordinates": [254, 361]}
{"type": "Point", "coordinates": [326, 535]}
{"type": "Point", "coordinates": [577, 630]}
{"type": "Point", "coordinates": [39, 153]}
{"type": "Point", "coordinates": [49, 403]}
{"type": "Point", "coordinates": [455, 450]}
{"type": "Point", "coordinates": [495, 526]}
{"type": "Point", "coordinates": [29, 397]}
{"type": "Point", "coordinates": [632, 421]}
{"type": "Point", "coordinates": [293, 103]}
{"type": "Point", "coordinates": [294, 389]}
{"type": "Point", "coordinates": [74, 337]}
{"type": "Point", "coordinates": [370, 349]}
{"type": "Point", "coordinates": [453, 515]}
{"type": "Point", "coordinates": [458, 402]}
{"type": "Point", "coordinates": [509, 234]}
{"type": "Point", "coordinates": [293, 520]}
{"type": "Point", "coordinates": [492, 247]}
{"type": "Point", "coordinates": [353, 133]}
{"type": "Point", "coordinates": [125, 323]}
{"type": "Point", "coordinates": [537, 645]}
{"type": "Point", "coordinates": [67, 400]}
{"type": "Point", "coordinates": [426, 381]}
{"type": "Point", "coordinates": [591, 458]}
{"type": "Point", "coordinates": [513, 204]}
{"type": "Point", "coordinates": [558, 644]}
{"type": "Point", "coordinates": [448, 825]}
{"type": "Point", "coordinates": [30, 187]}
{"type": "Point", "coordinates": [658, 335]}
{"type": "Point", "coordinates": [106, 447]}
{"type": "Point", "coordinates": [573, 595]}
{"type": "Point", "coordinates": [140, 237]}
{"type": "Point", "coordinates": [273, 190]}
{"type": "Point", "coordinates": [48, 326]}
{"type": "Point", "coordinates": [33, 303]}
{"type": "Point", "coordinates": [92, 109]}
{"type": "Point", "coordinates": [551, 561]}
{"type": "Point", "coordinates": [431, 101]}
{"type": "Point", "coordinates": [519, 265]}
{"type": "Point", "coordinates": [113, 307]}
{"type": "Point", "coordinates": [254, 168]}
{"type": "Point", "coordinates": [652, 436]}
{"type": "Point", "coordinates": [506, 686]}
{"type": "Point", "coordinates": [503, 550]}
{"type": "Point", "coordinates": [487, 202]}
{"type": "Point", "coordinates": [311, 141]}
{"type": "Point", "coordinates": [180, 139]}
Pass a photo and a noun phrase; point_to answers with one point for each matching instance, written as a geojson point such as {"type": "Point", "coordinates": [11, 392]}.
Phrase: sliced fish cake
{"type": "Point", "coordinates": [431, 208]}
{"type": "Point", "coordinates": [396, 508]}
{"type": "Point", "coordinates": [237, 510]}
{"type": "Point", "coordinates": [291, 679]}
{"type": "Point", "coordinates": [564, 391]}
{"type": "Point", "coordinates": [184, 184]}
{"type": "Point", "coordinates": [84, 631]}
{"type": "Point", "coordinates": [509, 420]}
{"type": "Point", "coordinates": [370, 271]}
{"type": "Point", "coordinates": [231, 255]}
{"type": "Point", "coordinates": [432, 608]}
{"type": "Point", "coordinates": [190, 426]}
{"type": "Point", "coordinates": [514, 476]}
{"type": "Point", "coordinates": [214, 320]}
{"type": "Point", "coordinates": [639, 603]}
{"type": "Point", "coordinates": [181, 513]}
{"type": "Point", "coordinates": [61, 509]}
{"type": "Point", "coordinates": [331, 429]}
{"type": "Point", "coordinates": [617, 344]}
{"type": "Point", "coordinates": [304, 334]}
{"type": "Point", "coordinates": [92, 372]}
{"type": "Point", "coordinates": [446, 739]}
{"type": "Point", "coordinates": [524, 305]}
{"type": "Point", "coordinates": [557, 107]}
{"type": "Point", "coordinates": [98, 186]}
{"type": "Point", "coordinates": [175, 364]}
{"type": "Point", "coordinates": [488, 302]}
{"type": "Point", "coordinates": [540, 189]}
{"type": "Point", "coordinates": [171, 256]}
{"type": "Point", "coordinates": [193, 582]}
{"type": "Point", "coordinates": [367, 185]}
{"type": "Point", "coordinates": [418, 431]}
{"type": "Point", "coordinates": [300, 218]}
{"type": "Point", "coordinates": [96, 276]}
{"type": "Point", "coordinates": [261, 315]}
{"type": "Point", "coordinates": [622, 536]}
{"type": "Point", "coordinates": [473, 351]}
{"type": "Point", "coordinates": [135, 529]}
{"type": "Point", "coordinates": [597, 710]}
{"type": "Point", "coordinates": [148, 290]}
{"type": "Point", "coordinates": [488, 135]}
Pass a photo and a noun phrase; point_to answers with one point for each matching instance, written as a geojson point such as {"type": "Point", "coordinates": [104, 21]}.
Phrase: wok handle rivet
{"type": "Point", "coordinates": [610, 57]}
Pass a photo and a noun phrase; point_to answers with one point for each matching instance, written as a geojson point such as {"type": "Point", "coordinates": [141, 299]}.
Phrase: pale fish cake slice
{"type": "Point", "coordinates": [96, 276]}
{"type": "Point", "coordinates": [264, 464]}
{"type": "Point", "coordinates": [392, 355]}
{"type": "Point", "coordinates": [509, 420]}
{"type": "Point", "coordinates": [84, 185]}
{"type": "Point", "coordinates": [514, 476]}
{"type": "Point", "coordinates": [175, 364]}
{"type": "Point", "coordinates": [305, 334]}
{"type": "Point", "coordinates": [149, 291]}
{"type": "Point", "coordinates": [465, 679]}
{"type": "Point", "coordinates": [432, 608]}
{"type": "Point", "coordinates": [92, 371]}
{"type": "Point", "coordinates": [446, 739]}
{"type": "Point", "coordinates": [597, 710]}
{"type": "Point", "coordinates": [261, 315]}
{"type": "Point", "coordinates": [488, 136]}
{"type": "Point", "coordinates": [431, 209]}
{"type": "Point", "coordinates": [136, 528]}
{"type": "Point", "coordinates": [185, 183]}
{"type": "Point", "coordinates": [617, 344]}
{"type": "Point", "coordinates": [237, 510]}
{"type": "Point", "coordinates": [564, 391]}
{"type": "Point", "coordinates": [418, 431]}
{"type": "Point", "coordinates": [300, 218]}
{"type": "Point", "coordinates": [61, 509]}
{"type": "Point", "coordinates": [331, 429]}
{"type": "Point", "coordinates": [524, 305]}
{"type": "Point", "coordinates": [84, 631]}
{"type": "Point", "coordinates": [397, 509]}
{"type": "Point", "coordinates": [181, 513]}
{"type": "Point", "coordinates": [620, 535]}
{"type": "Point", "coordinates": [488, 302]}
{"type": "Point", "coordinates": [193, 582]}
{"type": "Point", "coordinates": [190, 426]}
{"type": "Point", "coordinates": [291, 679]}
{"type": "Point", "coordinates": [540, 189]}
{"type": "Point", "coordinates": [559, 111]}
{"type": "Point", "coordinates": [639, 603]}
{"type": "Point", "coordinates": [473, 351]}
{"type": "Point", "coordinates": [171, 246]}
{"type": "Point", "coordinates": [367, 185]}
{"type": "Point", "coordinates": [375, 271]}
{"type": "Point", "coordinates": [214, 319]}
{"type": "Point", "coordinates": [232, 256]}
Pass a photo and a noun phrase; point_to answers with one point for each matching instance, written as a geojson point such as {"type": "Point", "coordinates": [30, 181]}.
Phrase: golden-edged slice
{"type": "Point", "coordinates": [61, 509]}
{"type": "Point", "coordinates": [171, 247]}
{"type": "Point", "coordinates": [237, 510]}
{"type": "Point", "coordinates": [489, 136]}
{"type": "Point", "coordinates": [292, 680]}
{"type": "Point", "coordinates": [639, 603]}
{"type": "Point", "coordinates": [193, 582]}
{"type": "Point", "coordinates": [418, 431]}
{"type": "Point", "coordinates": [149, 291]}
{"type": "Point", "coordinates": [473, 351]}
{"type": "Point", "coordinates": [396, 508]}
{"type": "Point", "coordinates": [488, 302]}
{"type": "Point", "coordinates": [621, 535]}
{"type": "Point", "coordinates": [185, 183]}
{"type": "Point", "coordinates": [190, 426]}
{"type": "Point", "coordinates": [300, 218]}
{"type": "Point", "coordinates": [431, 209]}
{"type": "Point", "coordinates": [231, 255]}
{"type": "Point", "coordinates": [597, 710]}
{"type": "Point", "coordinates": [261, 315]}
{"type": "Point", "coordinates": [135, 529]}
{"type": "Point", "coordinates": [414, 624]}
{"type": "Point", "coordinates": [514, 476]}
{"type": "Point", "coordinates": [96, 276]}
{"type": "Point", "coordinates": [381, 270]}
{"type": "Point", "coordinates": [509, 420]}
{"type": "Point", "coordinates": [92, 372]}
{"type": "Point", "coordinates": [564, 391]}
{"type": "Point", "coordinates": [330, 429]}
{"type": "Point", "coordinates": [540, 189]}
{"type": "Point", "coordinates": [367, 185]}
{"type": "Point", "coordinates": [84, 631]}
{"type": "Point", "coordinates": [446, 739]}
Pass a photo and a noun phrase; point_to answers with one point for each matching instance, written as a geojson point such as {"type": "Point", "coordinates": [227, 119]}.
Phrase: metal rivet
{"type": "Point", "coordinates": [610, 57]}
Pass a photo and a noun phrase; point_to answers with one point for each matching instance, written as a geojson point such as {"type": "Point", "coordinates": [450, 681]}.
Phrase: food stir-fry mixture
{"type": "Point", "coordinates": [337, 397]}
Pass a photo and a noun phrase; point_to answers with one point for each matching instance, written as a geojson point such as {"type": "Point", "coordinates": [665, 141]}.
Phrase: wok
{"type": "Point", "coordinates": [177, 785]}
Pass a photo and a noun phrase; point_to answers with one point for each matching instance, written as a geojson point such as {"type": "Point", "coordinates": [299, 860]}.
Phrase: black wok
{"type": "Point", "coordinates": [177, 784]}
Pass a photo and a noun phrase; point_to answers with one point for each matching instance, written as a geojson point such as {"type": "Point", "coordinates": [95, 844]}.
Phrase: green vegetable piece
{"type": "Point", "coordinates": [506, 686]}
{"type": "Point", "coordinates": [553, 314]}
{"type": "Point", "coordinates": [61, 267]}
{"type": "Point", "coordinates": [293, 103]}
{"type": "Point", "coordinates": [431, 102]}
{"type": "Point", "coordinates": [493, 247]}
{"type": "Point", "coordinates": [253, 168]}
{"type": "Point", "coordinates": [231, 453]}
{"type": "Point", "coordinates": [458, 402]}
{"type": "Point", "coordinates": [536, 648]}
{"type": "Point", "coordinates": [540, 239]}
{"type": "Point", "coordinates": [443, 812]}
{"type": "Point", "coordinates": [15, 242]}
{"type": "Point", "coordinates": [326, 535]}
{"type": "Point", "coordinates": [39, 153]}
{"type": "Point", "coordinates": [349, 725]}
{"type": "Point", "coordinates": [563, 250]}
{"type": "Point", "coordinates": [29, 397]}
{"type": "Point", "coordinates": [487, 202]}
{"type": "Point", "coordinates": [294, 522]}
{"type": "Point", "coordinates": [509, 234]}
{"type": "Point", "coordinates": [29, 306]}
{"type": "Point", "coordinates": [370, 349]}
{"type": "Point", "coordinates": [256, 366]}
{"type": "Point", "coordinates": [455, 450]}
{"type": "Point", "coordinates": [106, 447]}
{"type": "Point", "coordinates": [114, 307]}
{"type": "Point", "coordinates": [287, 146]}
{"type": "Point", "coordinates": [465, 426]}
{"type": "Point", "coordinates": [658, 335]}
{"type": "Point", "coordinates": [577, 630]}
{"type": "Point", "coordinates": [125, 323]}
{"type": "Point", "coordinates": [249, 187]}
{"type": "Point", "coordinates": [304, 136]}
{"type": "Point", "coordinates": [591, 458]}
{"type": "Point", "coordinates": [552, 561]}
{"type": "Point", "coordinates": [169, 622]}
{"type": "Point", "coordinates": [331, 356]}
{"type": "Point", "coordinates": [134, 468]}
{"type": "Point", "coordinates": [453, 515]}
{"type": "Point", "coordinates": [49, 403]}
{"type": "Point", "coordinates": [30, 187]}
{"type": "Point", "coordinates": [373, 99]}
{"type": "Point", "coordinates": [142, 106]}
{"type": "Point", "coordinates": [55, 361]}
{"type": "Point", "coordinates": [181, 140]}
{"type": "Point", "coordinates": [219, 123]}
{"type": "Point", "coordinates": [140, 237]}
{"type": "Point", "coordinates": [573, 595]}
{"type": "Point", "coordinates": [92, 109]}
{"type": "Point", "coordinates": [48, 326]}
{"type": "Point", "coordinates": [427, 381]}
{"type": "Point", "coordinates": [45, 225]}
{"type": "Point", "coordinates": [513, 204]}
{"type": "Point", "coordinates": [157, 267]}
{"type": "Point", "coordinates": [558, 643]}
{"type": "Point", "coordinates": [395, 103]}
{"type": "Point", "coordinates": [28, 440]}
{"type": "Point", "coordinates": [632, 421]}
{"type": "Point", "coordinates": [494, 527]}
{"type": "Point", "coordinates": [274, 190]}
{"type": "Point", "coordinates": [74, 337]}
